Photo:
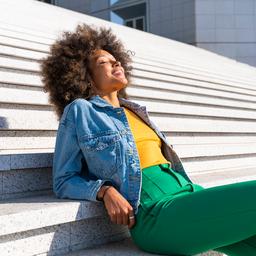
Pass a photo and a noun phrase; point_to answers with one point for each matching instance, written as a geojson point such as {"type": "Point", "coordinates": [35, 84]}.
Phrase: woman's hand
{"type": "Point", "coordinates": [119, 209]}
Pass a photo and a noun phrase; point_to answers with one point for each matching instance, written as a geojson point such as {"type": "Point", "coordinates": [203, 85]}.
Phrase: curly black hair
{"type": "Point", "coordinates": [65, 71]}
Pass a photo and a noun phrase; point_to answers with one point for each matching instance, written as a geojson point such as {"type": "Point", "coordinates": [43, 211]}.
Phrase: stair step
{"type": "Point", "coordinates": [125, 247]}
{"type": "Point", "coordinates": [29, 172]}
{"type": "Point", "coordinates": [22, 214]}
{"type": "Point", "coordinates": [45, 224]}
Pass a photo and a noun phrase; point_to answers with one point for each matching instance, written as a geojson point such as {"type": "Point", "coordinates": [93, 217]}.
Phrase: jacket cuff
{"type": "Point", "coordinates": [100, 184]}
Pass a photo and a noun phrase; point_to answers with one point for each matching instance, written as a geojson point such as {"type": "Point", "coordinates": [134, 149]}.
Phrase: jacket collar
{"type": "Point", "coordinates": [137, 108]}
{"type": "Point", "coordinates": [101, 102]}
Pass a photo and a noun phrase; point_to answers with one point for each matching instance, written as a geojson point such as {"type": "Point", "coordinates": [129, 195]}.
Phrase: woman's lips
{"type": "Point", "coordinates": [118, 73]}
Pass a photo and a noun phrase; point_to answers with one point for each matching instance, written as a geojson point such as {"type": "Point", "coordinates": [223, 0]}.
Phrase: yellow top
{"type": "Point", "coordinates": [147, 141]}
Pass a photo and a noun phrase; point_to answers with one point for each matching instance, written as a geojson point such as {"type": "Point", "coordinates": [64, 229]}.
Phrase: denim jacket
{"type": "Point", "coordinates": [95, 146]}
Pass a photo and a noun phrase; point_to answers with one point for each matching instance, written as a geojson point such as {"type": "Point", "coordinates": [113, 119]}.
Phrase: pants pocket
{"type": "Point", "coordinates": [160, 182]}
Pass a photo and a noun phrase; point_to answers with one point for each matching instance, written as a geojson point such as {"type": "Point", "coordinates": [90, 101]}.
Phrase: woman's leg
{"type": "Point", "coordinates": [202, 220]}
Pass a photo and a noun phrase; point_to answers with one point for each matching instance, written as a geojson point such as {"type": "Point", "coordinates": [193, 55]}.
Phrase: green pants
{"type": "Point", "coordinates": [177, 217]}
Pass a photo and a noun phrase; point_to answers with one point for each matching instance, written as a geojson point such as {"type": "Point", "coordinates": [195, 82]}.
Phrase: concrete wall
{"type": "Point", "coordinates": [227, 27]}
{"type": "Point", "coordinates": [96, 8]}
{"type": "Point", "coordinates": [173, 19]}
{"type": "Point", "coordinates": [76, 5]}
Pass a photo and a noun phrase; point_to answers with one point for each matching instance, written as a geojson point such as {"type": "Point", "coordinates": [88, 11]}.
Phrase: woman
{"type": "Point", "coordinates": [107, 149]}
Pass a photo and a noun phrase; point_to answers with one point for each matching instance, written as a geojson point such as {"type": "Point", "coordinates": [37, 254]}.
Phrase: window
{"type": "Point", "coordinates": [137, 22]}
{"type": "Point", "coordinates": [48, 1]}
{"type": "Point", "coordinates": [130, 14]}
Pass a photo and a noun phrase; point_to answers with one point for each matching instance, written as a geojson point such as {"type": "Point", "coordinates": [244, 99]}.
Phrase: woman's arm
{"type": "Point", "coordinates": [67, 182]}
{"type": "Point", "coordinates": [67, 166]}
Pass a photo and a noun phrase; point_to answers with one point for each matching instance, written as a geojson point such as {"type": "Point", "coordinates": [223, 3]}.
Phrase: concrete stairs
{"type": "Point", "coordinates": [34, 222]}
{"type": "Point", "coordinates": [124, 247]}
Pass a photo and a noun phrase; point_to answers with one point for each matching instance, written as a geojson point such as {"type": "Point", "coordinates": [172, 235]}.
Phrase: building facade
{"type": "Point", "coordinates": [226, 27]}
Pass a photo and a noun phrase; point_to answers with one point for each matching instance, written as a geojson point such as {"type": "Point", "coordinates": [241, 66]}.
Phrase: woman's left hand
{"type": "Point", "coordinates": [119, 209]}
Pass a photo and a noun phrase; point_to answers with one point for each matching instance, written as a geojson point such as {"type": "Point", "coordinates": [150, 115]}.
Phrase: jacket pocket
{"type": "Point", "coordinates": [102, 152]}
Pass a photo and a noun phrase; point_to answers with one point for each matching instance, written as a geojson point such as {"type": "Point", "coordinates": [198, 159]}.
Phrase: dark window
{"type": "Point", "coordinates": [139, 24]}
{"type": "Point", "coordinates": [133, 16]}
{"type": "Point", "coordinates": [47, 1]}
{"type": "Point", "coordinates": [129, 23]}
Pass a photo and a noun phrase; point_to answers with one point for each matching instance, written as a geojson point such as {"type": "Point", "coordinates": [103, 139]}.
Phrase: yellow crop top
{"type": "Point", "coordinates": [147, 141]}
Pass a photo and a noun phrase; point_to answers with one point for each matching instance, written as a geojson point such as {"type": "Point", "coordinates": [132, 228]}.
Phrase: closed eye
{"type": "Point", "coordinates": [101, 62]}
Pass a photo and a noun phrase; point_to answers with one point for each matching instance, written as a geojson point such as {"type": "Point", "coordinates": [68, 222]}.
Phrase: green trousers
{"type": "Point", "coordinates": [177, 217]}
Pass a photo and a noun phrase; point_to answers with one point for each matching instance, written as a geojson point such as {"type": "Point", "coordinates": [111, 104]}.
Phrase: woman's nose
{"type": "Point", "coordinates": [117, 62]}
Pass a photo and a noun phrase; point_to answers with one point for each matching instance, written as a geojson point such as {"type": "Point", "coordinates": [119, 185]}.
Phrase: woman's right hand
{"type": "Point", "coordinates": [118, 208]}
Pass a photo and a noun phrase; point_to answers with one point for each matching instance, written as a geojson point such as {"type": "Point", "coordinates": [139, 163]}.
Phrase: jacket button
{"type": "Point", "coordinates": [122, 132]}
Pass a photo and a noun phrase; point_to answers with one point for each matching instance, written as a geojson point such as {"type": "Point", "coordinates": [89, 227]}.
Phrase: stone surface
{"type": "Point", "coordinates": [18, 215]}
{"type": "Point", "coordinates": [5, 162]}
{"type": "Point", "coordinates": [14, 161]}
{"type": "Point", "coordinates": [36, 241]}
{"type": "Point", "coordinates": [38, 160]}
{"type": "Point", "coordinates": [63, 238]}
{"type": "Point", "coordinates": [18, 183]}
{"type": "Point", "coordinates": [125, 247]}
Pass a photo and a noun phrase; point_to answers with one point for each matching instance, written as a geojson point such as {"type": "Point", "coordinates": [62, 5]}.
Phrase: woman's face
{"type": "Point", "coordinates": [107, 72]}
